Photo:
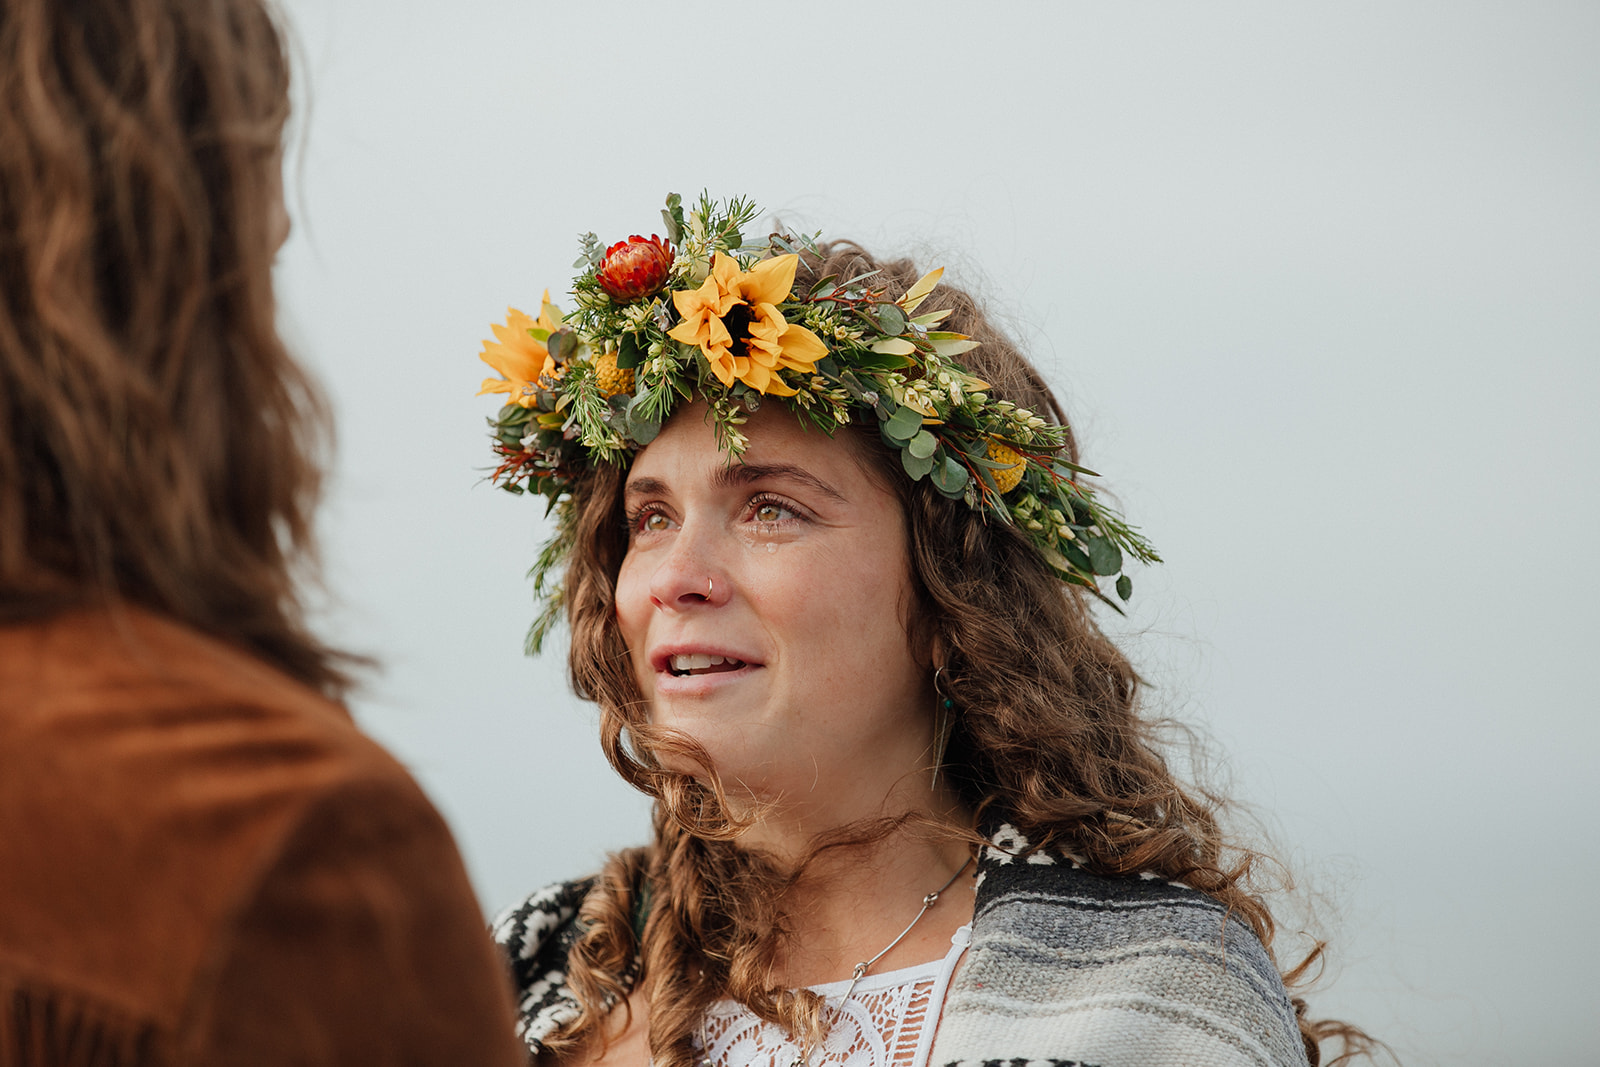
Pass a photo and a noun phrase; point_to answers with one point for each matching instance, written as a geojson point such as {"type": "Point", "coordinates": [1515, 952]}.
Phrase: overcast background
{"type": "Point", "coordinates": [1317, 282]}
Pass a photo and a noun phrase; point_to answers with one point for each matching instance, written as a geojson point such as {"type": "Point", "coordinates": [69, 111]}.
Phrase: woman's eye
{"type": "Point", "coordinates": [770, 512]}
{"type": "Point", "coordinates": [654, 522]}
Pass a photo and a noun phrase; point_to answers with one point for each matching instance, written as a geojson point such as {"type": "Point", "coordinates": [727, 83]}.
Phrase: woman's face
{"type": "Point", "coordinates": [764, 605]}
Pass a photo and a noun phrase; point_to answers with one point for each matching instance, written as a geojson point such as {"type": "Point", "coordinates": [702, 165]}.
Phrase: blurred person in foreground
{"type": "Point", "coordinates": [202, 861]}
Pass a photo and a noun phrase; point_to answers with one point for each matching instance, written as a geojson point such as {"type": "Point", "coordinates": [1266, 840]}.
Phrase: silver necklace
{"type": "Point", "coordinates": [858, 973]}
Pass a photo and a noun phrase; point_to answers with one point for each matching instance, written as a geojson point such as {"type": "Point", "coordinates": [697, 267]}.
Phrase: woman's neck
{"type": "Point", "coordinates": [851, 900]}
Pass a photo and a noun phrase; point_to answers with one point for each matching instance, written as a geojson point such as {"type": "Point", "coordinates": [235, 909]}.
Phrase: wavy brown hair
{"type": "Point", "coordinates": [157, 442]}
{"type": "Point", "coordinates": [1047, 732]}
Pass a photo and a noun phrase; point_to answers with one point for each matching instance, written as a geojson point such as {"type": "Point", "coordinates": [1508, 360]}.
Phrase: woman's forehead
{"type": "Point", "coordinates": [778, 446]}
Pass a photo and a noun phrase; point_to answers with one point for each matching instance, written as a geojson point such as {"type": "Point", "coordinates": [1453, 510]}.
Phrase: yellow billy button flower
{"type": "Point", "coordinates": [734, 319]}
{"type": "Point", "coordinates": [519, 354]}
{"type": "Point", "coordinates": [609, 377]}
{"type": "Point", "coordinates": [1008, 476]}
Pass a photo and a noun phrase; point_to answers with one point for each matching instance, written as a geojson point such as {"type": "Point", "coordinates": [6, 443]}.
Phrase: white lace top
{"type": "Point", "coordinates": [888, 1021]}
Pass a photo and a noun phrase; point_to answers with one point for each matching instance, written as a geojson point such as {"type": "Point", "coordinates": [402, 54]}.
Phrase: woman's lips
{"type": "Point", "coordinates": [691, 671]}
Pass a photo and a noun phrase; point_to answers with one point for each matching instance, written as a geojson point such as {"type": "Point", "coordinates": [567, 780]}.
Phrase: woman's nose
{"type": "Point", "coordinates": [689, 575]}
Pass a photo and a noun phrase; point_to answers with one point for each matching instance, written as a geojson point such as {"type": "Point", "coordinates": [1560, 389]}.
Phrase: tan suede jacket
{"type": "Point", "coordinates": [204, 862]}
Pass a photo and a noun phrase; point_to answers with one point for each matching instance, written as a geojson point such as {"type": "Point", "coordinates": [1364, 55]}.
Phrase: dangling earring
{"type": "Point", "coordinates": [944, 721]}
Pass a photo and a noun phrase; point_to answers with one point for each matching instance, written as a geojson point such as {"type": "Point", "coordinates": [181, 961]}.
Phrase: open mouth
{"type": "Point", "coordinates": [692, 666]}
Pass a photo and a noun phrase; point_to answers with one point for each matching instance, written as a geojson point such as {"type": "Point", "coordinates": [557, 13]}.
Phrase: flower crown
{"type": "Point", "coordinates": [701, 314]}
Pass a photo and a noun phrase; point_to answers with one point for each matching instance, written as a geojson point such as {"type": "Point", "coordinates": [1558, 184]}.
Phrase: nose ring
{"type": "Point", "coordinates": [709, 588]}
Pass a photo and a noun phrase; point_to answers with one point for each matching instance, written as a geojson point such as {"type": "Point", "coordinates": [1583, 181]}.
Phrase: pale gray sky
{"type": "Point", "coordinates": [1317, 282]}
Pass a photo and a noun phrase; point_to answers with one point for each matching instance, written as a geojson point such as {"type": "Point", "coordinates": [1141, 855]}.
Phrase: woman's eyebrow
{"type": "Point", "coordinates": [644, 487]}
{"type": "Point", "coordinates": [744, 473]}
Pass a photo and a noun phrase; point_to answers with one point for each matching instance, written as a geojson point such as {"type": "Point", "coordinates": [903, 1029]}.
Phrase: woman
{"type": "Point", "coordinates": [906, 811]}
{"type": "Point", "coordinates": [202, 861]}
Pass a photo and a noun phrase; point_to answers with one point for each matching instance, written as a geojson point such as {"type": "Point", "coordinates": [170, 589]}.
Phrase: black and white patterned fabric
{"type": "Point", "coordinates": [536, 936]}
{"type": "Point", "coordinates": [1066, 969]}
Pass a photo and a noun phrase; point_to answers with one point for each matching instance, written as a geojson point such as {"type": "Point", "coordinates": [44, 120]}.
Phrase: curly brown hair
{"type": "Point", "coordinates": [157, 442]}
{"type": "Point", "coordinates": [1047, 732]}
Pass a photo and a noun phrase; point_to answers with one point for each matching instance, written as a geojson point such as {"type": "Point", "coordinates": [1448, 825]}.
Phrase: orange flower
{"type": "Point", "coordinates": [735, 321]}
{"type": "Point", "coordinates": [635, 268]}
{"type": "Point", "coordinates": [520, 355]}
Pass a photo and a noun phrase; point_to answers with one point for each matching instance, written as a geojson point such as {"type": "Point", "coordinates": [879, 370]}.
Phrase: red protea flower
{"type": "Point", "coordinates": [635, 268]}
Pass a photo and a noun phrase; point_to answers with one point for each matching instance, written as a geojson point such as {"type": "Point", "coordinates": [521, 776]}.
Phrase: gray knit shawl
{"type": "Point", "coordinates": [1066, 969]}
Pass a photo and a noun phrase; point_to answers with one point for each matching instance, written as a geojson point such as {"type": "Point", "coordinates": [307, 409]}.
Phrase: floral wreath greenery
{"type": "Point", "coordinates": [700, 313]}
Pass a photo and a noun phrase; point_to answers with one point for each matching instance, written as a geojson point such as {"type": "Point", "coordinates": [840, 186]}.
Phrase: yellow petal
{"type": "Point", "coordinates": [689, 331]}
{"type": "Point", "coordinates": [724, 275]}
{"type": "Point", "coordinates": [691, 302]}
{"type": "Point", "coordinates": [724, 373]}
{"type": "Point", "coordinates": [763, 380]}
{"type": "Point", "coordinates": [954, 347]}
{"type": "Point", "coordinates": [802, 348]}
{"type": "Point", "coordinates": [516, 355]}
{"type": "Point", "coordinates": [549, 314]}
{"type": "Point", "coordinates": [769, 281]}
{"type": "Point", "coordinates": [919, 292]}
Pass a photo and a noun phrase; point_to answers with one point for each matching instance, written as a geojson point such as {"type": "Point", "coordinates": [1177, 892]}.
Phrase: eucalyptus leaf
{"type": "Point", "coordinates": [630, 353]}
{"type": "Point", "coordinates": [922, 445]}
{"type": "Point", "coordinates": [1104, 555]}
{"type": "Point", "coordinates": [559, 345]}
{"type": "Point", "coordinates": [949, 477]}
{"type": "Point", "coordinates": [891, 320]}
{"type": "Point", "coordinates": [1125, 587]}
{"type": "Point", "coordinates": [918, 467]}
{"type": "Point", "coordinates": [904, 424]}
{"type": "Point", "coordinates": [825, 283]}
{"type": "Point", "coordinates": [641, 427]}
{"type": "Point", "coordinates": [672, 215]}
{"type": "Point", "coordinates": [1078, 558]}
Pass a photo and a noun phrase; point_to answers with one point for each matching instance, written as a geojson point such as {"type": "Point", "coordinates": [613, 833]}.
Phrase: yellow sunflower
{"type": "Point", "coordinates": [734, 319]}
{"type": "Point", "coordinates": [520, 356]}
